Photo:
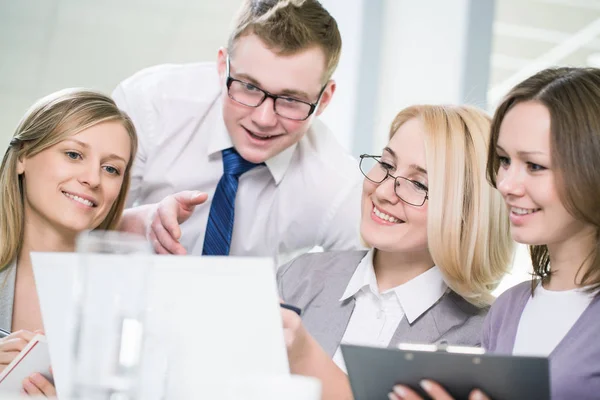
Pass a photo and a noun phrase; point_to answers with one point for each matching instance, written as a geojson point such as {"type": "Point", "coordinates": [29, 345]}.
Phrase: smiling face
{"type": "Point", "coordinates": [388, 223]}
{"type": "Point", "coordinates": [526, 179]}
{"type": "Point", "coordinates": [258, 133]}
{"type": "Point", "coordinates": [72, 185]}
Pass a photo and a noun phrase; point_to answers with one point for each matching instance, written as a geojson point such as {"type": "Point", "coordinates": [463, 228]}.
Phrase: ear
{"type": "Point", "coordinates": [21, 165]}
{"type": "Point", "coordinates": [326, 96]}
{"type": "Point", "coordinates": [222, 64]}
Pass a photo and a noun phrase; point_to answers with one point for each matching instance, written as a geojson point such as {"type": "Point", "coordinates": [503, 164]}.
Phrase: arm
{"type": "Point", "coordinates": [132, 103]}
{"type": "Point", "coordinates": [342, 230]}
{"type": "Point", "coordinates": [137, 219]}
{"type": "Point", "coordinates": [307, 357]}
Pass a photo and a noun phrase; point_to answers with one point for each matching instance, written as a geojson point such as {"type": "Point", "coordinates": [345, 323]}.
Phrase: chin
{"type": "Point", "coordinates": [528, 239]}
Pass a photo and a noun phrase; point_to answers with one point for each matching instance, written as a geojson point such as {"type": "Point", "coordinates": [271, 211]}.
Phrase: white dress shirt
{"type": "Point", "coordinates": [306, 196]}
{"type": "Point", "coordinates": [376, 315]}
{"type": "Point", "coordinates": [547, 318]}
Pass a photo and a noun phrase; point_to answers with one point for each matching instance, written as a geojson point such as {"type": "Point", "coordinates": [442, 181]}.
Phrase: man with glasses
{"type": "Point", "coordinates": [244, 133]}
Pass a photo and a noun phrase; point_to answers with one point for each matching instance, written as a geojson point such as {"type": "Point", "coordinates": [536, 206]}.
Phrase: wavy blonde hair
{"type": "Point", "coordinates": [49, 121]}
{"type": "Point", "coordinates": [467, 222]}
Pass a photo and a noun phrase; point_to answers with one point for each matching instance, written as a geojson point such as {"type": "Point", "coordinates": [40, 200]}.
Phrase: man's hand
{"type": "Point", "coordinates": [164, 231]}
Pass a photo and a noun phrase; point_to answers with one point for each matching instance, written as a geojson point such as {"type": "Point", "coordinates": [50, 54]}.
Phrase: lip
{"type": "Point", "coordinates": [83, 196]}
{"type": "Point", "coordinates": [375, 218]}
{"type": "Point", "coordinates": [260, 138]}
{"type": "Point", "coordinates": [520, 219]}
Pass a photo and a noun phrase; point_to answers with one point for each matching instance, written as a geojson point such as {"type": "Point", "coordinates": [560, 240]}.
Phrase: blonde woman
{"type": "Point", "coordinates": [429, 216]}
{"type": "Point", "coordinates": [66, 170]}
{"type": "Point", "coordinates": [543, 159]}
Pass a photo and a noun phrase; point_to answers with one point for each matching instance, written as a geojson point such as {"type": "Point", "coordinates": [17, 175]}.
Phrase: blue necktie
{"type": "Point", "coordinates": [217, 238]}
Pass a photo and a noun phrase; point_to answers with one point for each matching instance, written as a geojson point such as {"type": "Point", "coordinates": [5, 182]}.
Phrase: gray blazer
{"type": "Point", "coordinates": [7, 296]}
{"type": "Point", "coordinates": [315, 282]}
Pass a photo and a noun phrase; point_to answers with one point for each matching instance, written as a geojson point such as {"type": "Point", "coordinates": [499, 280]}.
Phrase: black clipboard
{"type": "Point", "coordinates": [373, 372]}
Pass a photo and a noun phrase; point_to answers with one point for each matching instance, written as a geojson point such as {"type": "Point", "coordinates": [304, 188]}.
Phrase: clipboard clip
{"type": "Point", "coordinates": [441, 347]}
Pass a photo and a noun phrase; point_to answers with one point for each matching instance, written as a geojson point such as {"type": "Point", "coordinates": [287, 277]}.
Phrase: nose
{"type": "Point", "coordinates": [386, 192]}
{"type": "Point", "coordinates": [90, 175]}
{"type": "Point", "coordinates": [264, 115]}
{"type": "Point", "coordinates": [509, 181]}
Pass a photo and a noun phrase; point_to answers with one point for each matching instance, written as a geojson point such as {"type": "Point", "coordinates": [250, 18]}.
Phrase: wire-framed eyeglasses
{"type": "Point", "coordinates": [409, 191]}
{"type": "Point", "coordinates": [250, 95]}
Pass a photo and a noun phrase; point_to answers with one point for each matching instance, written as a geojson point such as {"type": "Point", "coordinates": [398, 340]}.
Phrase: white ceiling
{"type": "Point", "coordinates": [530, 35]}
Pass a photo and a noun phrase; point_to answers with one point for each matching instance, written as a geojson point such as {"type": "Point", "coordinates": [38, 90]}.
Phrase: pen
{"type": "Point", "coordinates": [292, 308]}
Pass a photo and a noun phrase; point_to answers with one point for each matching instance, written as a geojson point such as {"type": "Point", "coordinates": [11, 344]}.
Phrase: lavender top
{"type": "Point", "coordinates": [574, 363]}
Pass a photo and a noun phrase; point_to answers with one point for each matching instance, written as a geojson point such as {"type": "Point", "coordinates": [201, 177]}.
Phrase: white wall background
{"type": "Point", "coordinates": [396, 52]}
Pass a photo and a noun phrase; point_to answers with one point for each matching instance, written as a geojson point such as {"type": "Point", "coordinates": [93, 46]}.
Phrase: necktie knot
{"type": "Point", "coordinates": [234, 164]}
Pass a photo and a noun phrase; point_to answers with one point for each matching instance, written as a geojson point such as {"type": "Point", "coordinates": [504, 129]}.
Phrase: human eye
{"type": "Point", "coordinates": [533, 167]}
{"type": "Point", "coordinates": [291, 101]}
{"type": "Point", "coordinates": [112, 170]}
{"type": "Point", "coordinates": [386, 166]}
{"type": "Point", "coordinates": [419, 186]}
{"type": "Point", "coordinates": [503, 160]}
{"type": "Point", "coordinates": [73, 155]}
{"type": "Point", "coordinates": [250, 87]}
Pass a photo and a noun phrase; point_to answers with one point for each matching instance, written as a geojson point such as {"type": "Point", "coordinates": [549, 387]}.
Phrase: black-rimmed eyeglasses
{"type": "Point", "coordinates": [250, 95]}
{"type": "Point", "coordinates": [409, 191]}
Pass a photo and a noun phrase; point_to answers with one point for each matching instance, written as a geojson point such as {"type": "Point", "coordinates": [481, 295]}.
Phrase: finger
{"type": "Point", "coordinates": [13, 344]}
{"type": "Point", "coordinates": [30, 388]}
{"type": "Point", "coordinates": [167, 216]}
{"type": "Point", "coordinates": [23, 334]}
{"type": "Point", "coordinates": [43, 384]}
{"type": "Point", "coordinates": [158, 249]}
{"type": "Point", "coordinates": [435, 390]}
{"type": "Point", "coordinates": [392, 396]}
{"type": "Point", "coordinates": [478, 395]}
{"type": "Point", "coordinates": [166, 240]}
{"type": "Point", "coordinates": [190, 199]}
{"type": "Point", "coordinates": [405, 393]}
{"type": "Point", "coordinates": [6, 358]}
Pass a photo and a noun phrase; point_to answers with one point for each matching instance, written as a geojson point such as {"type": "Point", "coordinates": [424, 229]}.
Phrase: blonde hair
{"type": "Point", "coordinates": [49, 121]}
{"type": "Point", "coordinates": [467, 222]}
{"type": "Point", "coordinates": [290, 26]}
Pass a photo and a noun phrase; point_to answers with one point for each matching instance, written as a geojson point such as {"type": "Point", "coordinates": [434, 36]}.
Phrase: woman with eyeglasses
{"type": "Point", "coordinates": [429, 217]}
{"type": "Point", "coordinates": [544, 160]}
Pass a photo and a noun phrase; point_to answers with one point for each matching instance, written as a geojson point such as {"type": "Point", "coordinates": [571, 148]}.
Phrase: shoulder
{"type": "Point", "coordinates": [174, 81]}
{"type": "Point", "coordinates": [517, 294]}
{"type": "Point", "coordinates": [503, 318]}
{"type": "Point", "coordinates": [335, 262]}
{"type": "Point", "coordinates": [322, 147]}
{"type": "Point", "coordinates": [7, 292]}
{"type": "Point", "coordinates": [454, 305]}
{"type": "Point", "coordinates": [320, 158]}
{"type": "Point", "coordinates": [459, 321]}
{"type": "Point", "coordinates": [458, 303]}
{"type": "Point", "coordinates": [312, 269]}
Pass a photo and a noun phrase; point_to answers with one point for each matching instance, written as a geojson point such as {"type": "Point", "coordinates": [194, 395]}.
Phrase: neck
{"type": "Point", "coordinates": [569, 260]}
{"type": "Point", "coordinates": [394, 269]}
{"type": "Point", "coordinates": [43, 238]}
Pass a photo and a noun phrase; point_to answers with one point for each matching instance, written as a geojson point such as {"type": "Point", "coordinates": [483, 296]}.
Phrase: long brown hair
{"type": "Point", "coordinates": [49, 121]}
{"type": "Point", "coordinates": [572, 97]}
